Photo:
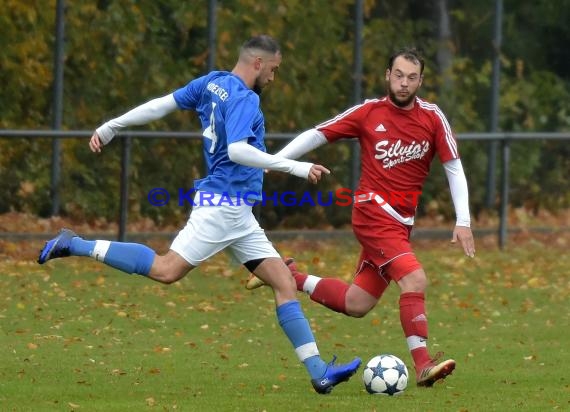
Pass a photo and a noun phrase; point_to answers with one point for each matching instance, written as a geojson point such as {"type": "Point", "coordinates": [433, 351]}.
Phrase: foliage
{"type": "Point", "coordinates": [119, 53]}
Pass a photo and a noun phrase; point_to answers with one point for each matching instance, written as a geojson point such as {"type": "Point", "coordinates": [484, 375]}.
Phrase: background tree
{"type": "Point", "coordinates": [119, 53]}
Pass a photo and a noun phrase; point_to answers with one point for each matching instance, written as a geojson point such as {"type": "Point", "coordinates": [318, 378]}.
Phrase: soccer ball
{"type": "Point", "coordinates": [385, 375]}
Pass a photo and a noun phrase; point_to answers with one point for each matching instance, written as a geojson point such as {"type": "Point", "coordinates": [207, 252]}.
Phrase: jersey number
{"type": "Point", "coordinates": [210, 132]}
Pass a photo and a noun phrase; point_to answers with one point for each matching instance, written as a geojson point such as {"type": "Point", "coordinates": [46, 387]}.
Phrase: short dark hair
{"type": "Point", "coordinates": [262, 42]}
{"type": "Point", "coordinates": [411, 54]}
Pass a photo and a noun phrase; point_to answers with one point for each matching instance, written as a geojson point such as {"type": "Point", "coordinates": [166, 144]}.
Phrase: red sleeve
{"type": "Point", "coordinates": [445, 142]}
{"type": "Point", "coordinates": [344, 125]}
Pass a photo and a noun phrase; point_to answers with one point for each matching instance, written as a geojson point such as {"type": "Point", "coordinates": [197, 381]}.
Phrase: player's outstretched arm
{"type": "Point", "coordinates": [143, 114]}
{"type": "Point", "coordinates": [243, 153]}
{"type": "Point", "coordinates": [303, 143]}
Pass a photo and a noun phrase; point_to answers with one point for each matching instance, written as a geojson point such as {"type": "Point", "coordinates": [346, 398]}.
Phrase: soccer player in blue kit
{"type": "Point", "coordinates": [228, 106]}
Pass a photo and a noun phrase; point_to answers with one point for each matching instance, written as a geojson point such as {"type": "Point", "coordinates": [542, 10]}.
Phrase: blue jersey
{"type": "Point", "coordinates": [229, 111]}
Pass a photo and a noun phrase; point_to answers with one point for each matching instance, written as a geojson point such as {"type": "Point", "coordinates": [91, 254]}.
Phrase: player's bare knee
{"type": "Point", "coordinates": [284, 286]}
{"type": "Point", "coordinates": [160, 277]}
{"type": "Point", "coordinates": [414, 282]}
{"type": "Point", "coordinates": [166, 276]}
{"type": "Point", "coordinates": [359, 302]}
{"type": "Point", "coordinates": [274, 273]}
{"type": "Point", "coordinates": [358, 312]}
{"type": "Point", "coordinates": [169, 268]}
{"type": "Point", "coordinates": [358, 309]}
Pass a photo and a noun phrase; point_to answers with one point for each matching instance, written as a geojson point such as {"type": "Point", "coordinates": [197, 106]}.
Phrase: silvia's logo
{"type": "Point", "coordinates": [398, 152]}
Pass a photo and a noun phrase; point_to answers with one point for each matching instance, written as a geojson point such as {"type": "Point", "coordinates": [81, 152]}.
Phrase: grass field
{"type": "Point", "coordinates": [79, 336]}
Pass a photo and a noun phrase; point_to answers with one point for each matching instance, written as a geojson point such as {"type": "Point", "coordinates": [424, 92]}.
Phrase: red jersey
{"type": "Point", "coordinates": [397, 147]}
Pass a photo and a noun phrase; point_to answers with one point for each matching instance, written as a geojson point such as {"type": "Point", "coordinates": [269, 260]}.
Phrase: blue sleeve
{"type": "Point", "coordinates": [187, 97]}
{"type": "Point", "coordinates": [240, 117]}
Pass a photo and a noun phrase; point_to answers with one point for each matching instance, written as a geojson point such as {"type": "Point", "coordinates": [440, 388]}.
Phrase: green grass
{"type": "Point", "coordinates": [78, 336]}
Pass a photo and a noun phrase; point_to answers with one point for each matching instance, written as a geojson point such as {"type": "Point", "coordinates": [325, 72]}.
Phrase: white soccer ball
{"type": "Point", "coordinates": [385, 375]}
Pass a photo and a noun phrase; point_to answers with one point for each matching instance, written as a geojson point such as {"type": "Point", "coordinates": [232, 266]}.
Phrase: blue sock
{"type": "Point", "coordinates": [81, 247]}
{"type": "Point", "coordinates": [127, 257]}
{"type": "Point", "coordinates": [296, 327]}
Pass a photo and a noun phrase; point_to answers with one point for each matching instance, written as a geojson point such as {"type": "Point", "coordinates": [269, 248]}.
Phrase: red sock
{"type": "Point", "coordinates": [414, 323]}
{"type": "Point", "coordinates": [300, 280]}
{"type": "Point", "coordinates": [328, 292]}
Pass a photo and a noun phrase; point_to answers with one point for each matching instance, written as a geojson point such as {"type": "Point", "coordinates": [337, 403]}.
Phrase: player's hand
{"type": "Point", "coordinates": [95, 143]}
{"type": "Point", "coordinates": [465, 237]}
{"type": "Point", "coordinates": [316, 173]}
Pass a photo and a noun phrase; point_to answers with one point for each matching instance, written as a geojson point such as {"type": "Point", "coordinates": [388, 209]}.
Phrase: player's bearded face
{"type": "Point", "coordinates": [267, 72]}
{"type": "Point", "coordinates": [260, 83]}
{"type": "Point", "coordinates": [401, 98]}
{"type": "Point", "coordinates": [403, 82]}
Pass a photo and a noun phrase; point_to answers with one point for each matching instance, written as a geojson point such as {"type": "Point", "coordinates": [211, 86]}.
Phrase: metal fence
{"type": "Point", "coordinates": [503, 139]}
{"type": "Point", "coordinates": [495, 139]}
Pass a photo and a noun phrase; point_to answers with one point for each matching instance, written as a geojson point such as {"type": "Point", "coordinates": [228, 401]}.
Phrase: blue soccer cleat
{"type": "Point", "coordinates": [334, 375]}
{"type": "Point", "coordinates": [57, 247]}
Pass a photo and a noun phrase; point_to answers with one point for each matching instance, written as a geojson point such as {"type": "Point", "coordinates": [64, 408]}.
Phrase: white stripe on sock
{"type": "Point", "coordinates": [306, 351]}
{"type": "Point", "coordinates": [310, 284]}
{"type": "Point", "coordinates": [415, 342]}
{"type": "Point", "coordinates": [100, 250]}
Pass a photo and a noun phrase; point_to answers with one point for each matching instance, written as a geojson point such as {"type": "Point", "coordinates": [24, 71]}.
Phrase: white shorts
{"type": "Point", "coordinates": [211, 229]}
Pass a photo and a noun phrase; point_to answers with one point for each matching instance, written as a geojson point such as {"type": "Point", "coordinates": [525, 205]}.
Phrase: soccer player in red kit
{"type": "Point", "coordinates": [399, 135]}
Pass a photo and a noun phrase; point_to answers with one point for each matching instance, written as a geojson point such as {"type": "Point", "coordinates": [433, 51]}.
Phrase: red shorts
{"type": "Point", "coordinates": [386, 250]}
